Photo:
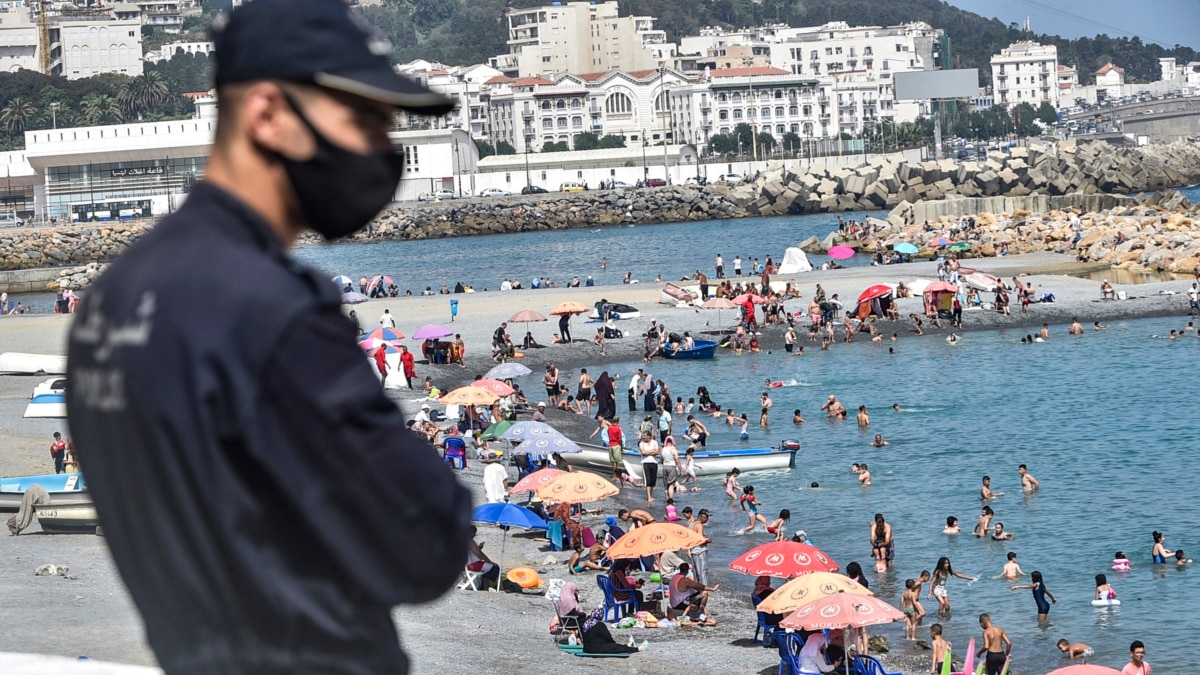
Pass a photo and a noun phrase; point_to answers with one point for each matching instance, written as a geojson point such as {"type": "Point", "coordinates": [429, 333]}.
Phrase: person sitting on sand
{"type": "Point", "coordinates": [1106, 291]}
{"type": "Point", "coordinates": [689, 599]}
{"type": "Point", "coordinates": [529, 342]}
{"type": "Point", "coordinates": [580, 561]}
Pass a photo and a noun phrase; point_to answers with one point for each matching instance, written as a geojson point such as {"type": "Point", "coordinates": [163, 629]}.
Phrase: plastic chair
{"type": "Point", "coordinates": [767, 629]}
{"type": "Point", "coordinates": [472, 580]}
{"type": "Point", "coordinates": [869, 665]}
{"type": "Point", "coordinates": [789, 653]}
{"type": "Point", "coordinates": [617, 608]}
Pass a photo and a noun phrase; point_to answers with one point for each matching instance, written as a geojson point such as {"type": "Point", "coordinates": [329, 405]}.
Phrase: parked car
{"type": "Point", "coordinates": [618, 185]}
{"type": "Point", "coordinates": [534, 190]}
{"type": "Point", "coordinates": [445, 194]}
{"type": "Point", "coordinates": [571, 186]}
{"type": "Point", "coordinates": [10, 219]}
{"type": "Point", "coordinates": [494, 192]}
{"type": "Point", "coordinates": [731, 178]}
{"type": "Point", "coordinates": [425, 197]}
{"type": "Point", "coordinates": [696, 180]}
{"type": "Point", "coordinates": [655, 182]}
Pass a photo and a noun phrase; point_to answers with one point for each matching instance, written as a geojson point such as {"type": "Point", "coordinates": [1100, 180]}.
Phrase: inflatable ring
{"type": "Point", "coordinates": [518, 355]}
{"type": "Point", "coordinates": [1113, 602]}
{"type": "Point", "coordinates": [524, 577]}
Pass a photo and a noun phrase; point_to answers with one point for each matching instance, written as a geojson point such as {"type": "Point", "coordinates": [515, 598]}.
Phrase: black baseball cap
{"type": "Point", "coordinates": [317, 42]}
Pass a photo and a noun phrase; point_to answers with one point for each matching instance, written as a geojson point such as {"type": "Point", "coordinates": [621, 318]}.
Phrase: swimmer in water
{"type": "Point", "coordinates": [1011, 569]}
{"type": "Point", "coordinates": [1120, 563]}
{"type": "Point", "coordinates": [985, 517]}
{"type": "Point", "coordinates": [864, 419]}
{"type": "Point", "coordinates": [864, 476]}
{"type": "Point", "coordinates": [953, 339]}
{"type": "Point", "coordinates": [1181, 559]}
{"type": "Point", "coordinates": [855, 469]}
{"type": "Point", "coordinates": [1098, 326]}
{"type": "Point", "coordinates": [1028, 482]}
{"type": "Point", "coordinates": [985, 492]}
{"type": "Point", "coordinates": [1103, 590]}
{"type": "Point", "coordinates": [1075, 651]}
{"type": "Point", "coordinates": [797, 418]}
{"type": "Point", "coordinates": [731, 484]}
{"type": "Point", "coordinates": [1160, 552]}
{"type": "Point", "coordinates": [998, 533]}
{"type": "Point", "coordinates": [879, 442]}
{"type": "Point", "coordinates": [897, 408]}
{"type": "Point", "coordinates": [951, 526]}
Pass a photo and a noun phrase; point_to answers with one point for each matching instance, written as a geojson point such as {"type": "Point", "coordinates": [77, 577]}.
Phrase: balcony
{"type": "Point", "coordinates": [705, 105]}
{"type": "Point", "coordinates": [528, 113]}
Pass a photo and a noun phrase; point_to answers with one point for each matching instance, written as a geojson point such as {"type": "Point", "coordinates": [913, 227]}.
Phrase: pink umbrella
{"type": "Point", "coordinates": [941, 241]}
{"type": "Point", "coordinates": [371, 344]}
{"type": "Point", "coordinates": [534, 481]}
{"type": "Point", "coordinates": [495, 386]}
{"type": "Point", "coordinates": [1085, 669]}
{"type": "Point", "coordinates": [432, 332]}
{"type": "Point", "coordinates": [842, 610]}
{"type": "Point", "coordinates": [841, 252]}
{"type": "Point", "coordinates": [747, 297]}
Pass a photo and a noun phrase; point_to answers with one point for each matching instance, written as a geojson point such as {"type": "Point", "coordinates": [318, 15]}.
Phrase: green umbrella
{"type": "Point", "coordinates": [960, 246]}
{"type": "Point", "coordinates": [496, 430]}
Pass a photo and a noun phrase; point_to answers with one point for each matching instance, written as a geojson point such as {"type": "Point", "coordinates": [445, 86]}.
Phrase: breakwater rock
{"type": "Point", "coordinates": [1157, 232]}
{"type": "Point", "coordinates": [1058, 169]}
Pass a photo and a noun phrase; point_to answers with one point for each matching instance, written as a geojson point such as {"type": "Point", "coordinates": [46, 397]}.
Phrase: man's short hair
{"type": "Point", "coordinates": [683, 568]}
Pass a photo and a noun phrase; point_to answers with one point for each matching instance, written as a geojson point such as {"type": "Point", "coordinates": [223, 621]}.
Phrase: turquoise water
{"type": "Point", "coordinates": [1105, 421]}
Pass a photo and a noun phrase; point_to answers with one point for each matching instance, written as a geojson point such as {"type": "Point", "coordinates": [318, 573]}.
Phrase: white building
{"type": "Point", "coordinates": [1026, 72]}
{"type": "Point", "coordinates": [80, 45]}
{"type": "Point", "coordinates": [579, 37]}
{"type": "Point", "coordinates": [1110, 78]}
{"type": "Point", "coordinates": [466, 85]}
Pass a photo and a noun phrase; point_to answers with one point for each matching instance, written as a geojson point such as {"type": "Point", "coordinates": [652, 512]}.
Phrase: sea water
{"type": "Point", "coordinates": [1106, 421]}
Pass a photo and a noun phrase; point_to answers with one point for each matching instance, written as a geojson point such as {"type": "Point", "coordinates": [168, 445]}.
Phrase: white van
{"type": "Point", "coordinates": [10, 219]}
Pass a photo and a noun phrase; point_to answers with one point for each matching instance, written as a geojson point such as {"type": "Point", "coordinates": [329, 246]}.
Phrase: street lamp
{"type": "Point", "coordinates": [54, 114]}
{"type": "Point", "coordinates": [528, 180]}
{"type": "Point", "coordinates": [645, 168]}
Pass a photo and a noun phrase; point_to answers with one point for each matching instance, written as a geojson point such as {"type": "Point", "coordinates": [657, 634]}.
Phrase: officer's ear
{"type": "Point", "coordinates": [267, 119]}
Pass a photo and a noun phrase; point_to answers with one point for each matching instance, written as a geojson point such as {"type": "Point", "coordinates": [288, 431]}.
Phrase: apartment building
{"type": "Point", "coordinates": [1026, 72]}
{"type": "Point", "coordinates": [82, 43]}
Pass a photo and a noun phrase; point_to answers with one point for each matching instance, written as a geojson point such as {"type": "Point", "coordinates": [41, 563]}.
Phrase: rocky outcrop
{"type": "Point", "coordinates": [1049, 170]}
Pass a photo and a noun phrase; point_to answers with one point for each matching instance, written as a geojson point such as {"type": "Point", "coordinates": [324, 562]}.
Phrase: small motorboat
{"type": "Point", "coordinates": [63, 488]}
{"type": "Point", "coordinates": [703, 349]}
{"type": "Point", "coordinates": [616, 311]}
{"type": "Point", "coordinates": [17, 363]}
{"type": "Point", "coordinates": [679, 297]}
{"type": "Point", "coordinates": [708, 462]}
{"type": "Point", "coordinates": [62, 518]}
{"type": "Point", "coordinates": [49, 399]}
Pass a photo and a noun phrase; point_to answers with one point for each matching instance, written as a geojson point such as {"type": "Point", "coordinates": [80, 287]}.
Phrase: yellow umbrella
{"type": "Point", "coordinates": [570, 307]}
{"type": "Point", "coordinates": [811, 587]}
{"type": "Point", "coordinates": [577, 487]}
{"type": "Point", "coordinates": [470, 396]}
{"type": "Point", "coordinates": [653, 539]}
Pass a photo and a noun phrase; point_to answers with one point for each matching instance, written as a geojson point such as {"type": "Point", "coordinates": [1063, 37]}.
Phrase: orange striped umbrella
{"type": "Point", "coordinates": [653, 539]}
{"type": "Point", "coordinates": [577, 487]}
{"type": "Point", "coordinates": [807, 589]}
{"type": "Point", "coordinates": [470, 396]}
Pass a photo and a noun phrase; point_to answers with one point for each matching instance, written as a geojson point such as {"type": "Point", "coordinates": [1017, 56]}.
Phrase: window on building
{"type": "Point", "coordinates": [737, 114]}
{"type": "Point", "coordinates": [618, 103]}
{"type": "Point", "coordinates": [813, 55]}
{"type": "Point", "coordinates": [793, 110]}
{"type": "Point", "coordinates": [562, 123]}
{"type": "Point", "coordinates": [561, 105]}
{"type": "Point", "coordinates": [547, 123]}
{"type": "Point", "coordinates": [766, 112]}
{"type": "Point", "coordinates": [545, 105]}
{"type": "Point", "coordinates": [577, 122]}
{"type": "Point", "coordinates": [723, 114]}
{"type": "Point", "coordinates": [779, 111]}
{"type": "Point", "coordinates": [737, 97]}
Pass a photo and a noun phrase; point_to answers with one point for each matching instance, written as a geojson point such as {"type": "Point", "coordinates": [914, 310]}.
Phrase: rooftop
{"type": "Point", "coordinates": [747, 72]}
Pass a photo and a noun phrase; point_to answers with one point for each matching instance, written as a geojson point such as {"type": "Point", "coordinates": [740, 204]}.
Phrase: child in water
{"type": "Point", "coordinates": [998, 533]}
{"type": "Point", "coordinates": [951, 525]}
{"type": "Point", "coordinates": [731, 484]}
{"type": "Point", "coordinates": [744, 435]}
{"type": "Point", "coordinates": [1121, 563]}
{"type": "Point", "coordinates": [1103, 590]}
{"type": "Point", "coordinates": [1181, 559]}
{"type": "Point", "coordinates": [1040, 593]}
{"type": "Point", "coordinates": [1011, 569]}
{"type": "Point", "coordinates": [777, 526]}
{"type": "Point", "coordinates": [750, 505]}
{"type": "Point", "coordinates": [672, 515]}
{"type": "Point", "coordinates": [1075, 651]}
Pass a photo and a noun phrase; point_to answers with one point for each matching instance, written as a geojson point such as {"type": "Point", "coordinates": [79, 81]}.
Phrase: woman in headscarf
{"type": "Point", "coordinates": [762, 589]}
{"type": "Point", "coordinates": [606, 397]}
{"type": "Point", "coordinates": [597, 639]}
{"type": "Point", "coordinates": [568, 601]}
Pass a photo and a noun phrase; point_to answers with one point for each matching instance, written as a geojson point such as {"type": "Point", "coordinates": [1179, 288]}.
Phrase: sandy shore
{"type": "Point", "coordinates": [494, 632]}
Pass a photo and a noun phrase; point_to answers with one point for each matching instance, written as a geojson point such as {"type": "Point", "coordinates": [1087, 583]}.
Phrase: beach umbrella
{"type": "Point", "coordinates": [507, 515]}
{"type": "Point", "coordinates": [526, 315]}
{"type": "Point", "coordinates": [379, 279]}
{"type": "Point", "coordinates": [495, 386]}
{"type": "Point", "coordinates": [959, 247]}
{"type": "Point", "coordinates": [841, 252]}
{"type": "Point", "coordinates": [577, 487]}
{"type": "Point", "coordinates": [390, 335]}
{"type": "Point", "coordinates": [569, 307]}
{"type": "Point", "coordinates": [371, 344]}
{"type": "Point", "coordinates": [941, 287]}
{"type": "Point", "coordinates": [432, 332]}
{"type": "Point", "coordinates": [803, 590]}
{"type": "Point", "coordinates": [841, 610]}
{"type": "Point", "coordinates": [493, 432]}
{"type": "Point", "coordinates": [784, 560]}
{"type": "Point", "coordinates": [906, 248]}
{"type": "Point", "coordinates": [876, 291]}
{"type": "Point", "coordinates": [342, 281]}
{"type": "Point", "coordinates": [749, 297]}
{"type": "Point", "coordinates": [653, 539]}
{"type": "Point", "coordinates": [506, 371]}
{"type": "Point", "coordinates": [719, 304]}
{"type": "Point", "coordinates": [522, 431]}
{"type": "Point", "coordinates": [547, 444]}
{"type": "Point", "coordinates": [353, 298]}
{"type": "Point", "coordinates": [1085, 669]}
{"type": "Point", "coordinates": [941, 241]}
{"type": "Point", "coordinates": [535, 480]}
{"type": "Point", "coordinates": [469, 396]}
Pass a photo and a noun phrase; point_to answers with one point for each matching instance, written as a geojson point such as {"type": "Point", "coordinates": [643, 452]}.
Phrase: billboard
{"type": "Point", "coordinates": [926, 84]}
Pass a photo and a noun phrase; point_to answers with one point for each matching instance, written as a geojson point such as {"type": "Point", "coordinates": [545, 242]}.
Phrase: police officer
{"type": "Point", "coordinates": [262, 499]}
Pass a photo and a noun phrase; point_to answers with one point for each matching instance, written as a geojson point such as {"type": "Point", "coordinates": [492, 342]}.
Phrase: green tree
{"type": "Point", "coordinates": [99, 108]}
{"type": "Point", "coordinates": [551, 146]}
{"type": "Point", "coordinates": [586, 141]}
{"type": "Point", "coordinates": [723, 144]}
{"type": "Point", "coordinates": [745, 134]}
{"type": "Point", "coordinates": [1046, 113]}
{"type": "Point", "coordinates": [142, 94]}
{"type": "Point", "coordinates": [16, 115]}
{"type": "Point", "coordinates": [766, 140]}
{"type": "Point", "coordinates": [791, 141]}
{"type": "Point", "coordinates": [611, 141]}
{"type": "Point", "coordinates": [505, 148]}
{"type": "Point", "coordinates": [485, 149]}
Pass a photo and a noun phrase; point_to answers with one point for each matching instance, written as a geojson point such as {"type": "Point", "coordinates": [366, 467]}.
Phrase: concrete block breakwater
{"type": "Point", "coordinates": [1084, 173]}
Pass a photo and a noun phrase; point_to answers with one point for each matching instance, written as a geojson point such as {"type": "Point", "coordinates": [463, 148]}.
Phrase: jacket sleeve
{"type": "Point", "coordinates": [377, 499]}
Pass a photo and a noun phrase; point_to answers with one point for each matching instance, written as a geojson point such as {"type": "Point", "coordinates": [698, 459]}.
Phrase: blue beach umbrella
{"type": "Point", "coordinates": [507, 370]}
{"type": "Point", "coordinates": [523, 431]}
{"type": "Point", "coordinates": [905, 247]}
{"type": "Point", "coordinates": [546, 444]}
{"type": "Point", "coordinates": [342, 281]}
{"type": "Point", "coordinates": [507, 515]}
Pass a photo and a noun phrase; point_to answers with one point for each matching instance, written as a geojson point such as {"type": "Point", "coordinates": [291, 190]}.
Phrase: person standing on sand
{"type": "Point", "coordinates": [387, 320]}
{"type": "Point", "coordinates": [380, 356]}
{"type": "Point", "coordinates": [996, 646]}
{"type": "Point", "coordinates": [58, 452]}
{"type": "Point", "coordinates": [703, 280]}
{"type": "Point", "coordinates": [408, 363]}
{"type": "Point", "coordinates": [258, 581]}
{"type": "Point", "coordinates": [700, 553]}
{"type": "Point", "coordinates": [550, 382]}
{"type": "Point", "coordinates": [584, 394]}
{"type": "Point", "coordinates": [564, 327]}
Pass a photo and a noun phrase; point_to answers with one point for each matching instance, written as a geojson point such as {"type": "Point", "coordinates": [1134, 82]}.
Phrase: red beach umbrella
{"type": "Point", "coordinates": [783, 560]}
{"type": "Point", "coordinates": [876, 291]}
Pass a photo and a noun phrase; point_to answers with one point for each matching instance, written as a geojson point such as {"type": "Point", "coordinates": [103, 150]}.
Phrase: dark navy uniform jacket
{"type": "Point", "coordinates": [261, 496]}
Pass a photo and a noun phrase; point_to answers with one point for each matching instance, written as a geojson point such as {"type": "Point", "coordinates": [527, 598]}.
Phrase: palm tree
{"type": "Point", "coordinates": [141, 94]}
{"type": "Point", "coordinates": [100, 109]}
{"type": "Point", "coordinates": [16, 115]}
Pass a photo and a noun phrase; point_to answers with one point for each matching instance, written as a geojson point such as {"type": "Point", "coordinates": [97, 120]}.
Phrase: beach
{"type": "Point", "coordinates": [508, 632]}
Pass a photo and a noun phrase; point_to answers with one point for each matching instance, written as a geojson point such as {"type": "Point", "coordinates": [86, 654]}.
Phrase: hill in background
{"type": "Point", "coordinates": [461, 33]}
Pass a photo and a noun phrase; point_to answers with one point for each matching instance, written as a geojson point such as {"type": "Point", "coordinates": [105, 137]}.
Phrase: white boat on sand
{"type": "Point", "coordinates": [49, 399]}
{"type": "Point", "coordinates": [18, 363]}
{"type": "Point", "coordinates": [67, 518]}
{"type": "Point", "coordinates": [708, 462]}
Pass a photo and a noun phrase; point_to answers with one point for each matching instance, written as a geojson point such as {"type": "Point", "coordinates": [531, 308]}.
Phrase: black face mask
{"type": "Point", "coordinates": [340, 191]}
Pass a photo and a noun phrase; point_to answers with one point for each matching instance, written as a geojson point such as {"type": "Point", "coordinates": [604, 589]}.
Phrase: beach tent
{"type": "Point", "coordinates": [940, 296]}
{"type": "Point", "coordinates": [794, 261]}
{"type": "Point", "coordinates": [875, 300]}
